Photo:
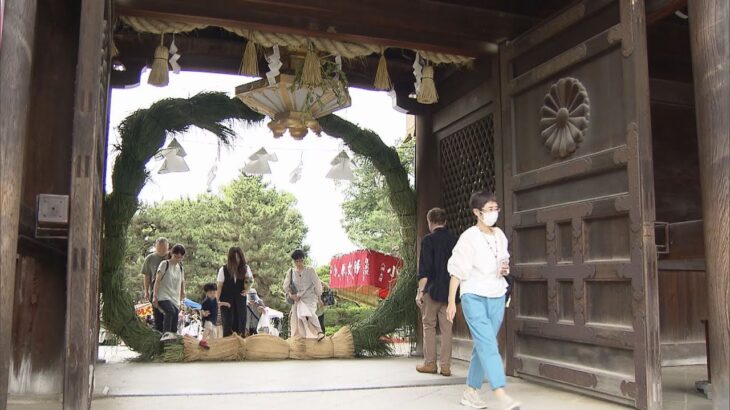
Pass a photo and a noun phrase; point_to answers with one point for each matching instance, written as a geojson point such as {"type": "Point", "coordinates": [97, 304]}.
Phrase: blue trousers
{"type": "Point", "coordinates": [484, 316]}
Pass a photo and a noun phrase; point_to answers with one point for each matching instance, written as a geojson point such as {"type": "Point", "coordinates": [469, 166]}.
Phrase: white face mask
{"type": "Point", "coordinates": [489, 218]}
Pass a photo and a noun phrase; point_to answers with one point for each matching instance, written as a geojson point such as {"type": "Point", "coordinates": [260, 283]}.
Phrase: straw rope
{"type": "Point", "coordinates": [443, 58]}
{"type": "Point", "coordinates": [229, 348]}
{"type": "Point", "coordinates": [157, 26]}
{"type": "Point", "coordinates": [143, 133]}
{"type": "Point", "coordinates": [267, 39]}
{"type": "Point", "coordinates": [266, 347]}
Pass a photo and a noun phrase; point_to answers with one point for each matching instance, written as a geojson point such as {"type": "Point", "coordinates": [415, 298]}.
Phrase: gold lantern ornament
{"type": "Point", "coordinates": [294, 105]}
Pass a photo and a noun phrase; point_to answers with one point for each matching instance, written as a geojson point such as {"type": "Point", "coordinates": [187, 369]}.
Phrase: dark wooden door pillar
{"type": "Point", "coordinates": [427, 189]}
{"type": "Point", "coordinates": [428, 178]}
{"type": "Point", "coordinates": [710, 40]}
{"type": "Point", "coordinates": [16, 58]}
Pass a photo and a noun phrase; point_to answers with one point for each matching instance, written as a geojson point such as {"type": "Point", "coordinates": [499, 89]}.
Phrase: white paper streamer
{"type": "Point", "coordinates": [296, 174]}
{"type": "Point", "coordinates": [174, 57]}
{"type": "Point", "coordinates": [417, 72]}
{"type": "Point", "coordinates": [211, 177]}
{"type": "Point", "coordinates": [275, 64]}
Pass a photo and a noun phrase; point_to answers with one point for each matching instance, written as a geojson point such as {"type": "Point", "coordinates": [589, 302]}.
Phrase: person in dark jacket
{"type": "Point", "coordinates": [433, 291]}
{"type": "Point", "coordinates": [234, 280]}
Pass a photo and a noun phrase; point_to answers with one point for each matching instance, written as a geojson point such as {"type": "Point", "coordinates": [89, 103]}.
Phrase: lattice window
{"type": "Point", "coordinates": [467, 166]}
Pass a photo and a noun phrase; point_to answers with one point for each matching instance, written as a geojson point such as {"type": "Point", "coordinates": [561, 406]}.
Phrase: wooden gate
{"type": "Point", "coordinates": [579, 204]}
{"type": "Point", "coordinates": [87, 194]}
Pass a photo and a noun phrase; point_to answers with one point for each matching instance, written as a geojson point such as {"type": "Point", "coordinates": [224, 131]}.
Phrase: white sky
{"type": "Point", "coordinates": [318, 198]}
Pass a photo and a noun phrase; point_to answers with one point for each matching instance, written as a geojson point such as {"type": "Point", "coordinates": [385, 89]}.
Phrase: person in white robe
{"type": "Point", "coordinates": [306, 296]}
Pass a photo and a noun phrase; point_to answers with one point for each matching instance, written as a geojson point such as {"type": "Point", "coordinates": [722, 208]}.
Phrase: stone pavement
{"type": "Point", "coordinates": [298, 385]}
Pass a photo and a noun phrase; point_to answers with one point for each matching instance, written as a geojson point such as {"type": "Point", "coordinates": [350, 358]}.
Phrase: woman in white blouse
{"type": "Point", "coordinates": [477, 266]}
{"type": "Point", "coordinates": [306, 295]}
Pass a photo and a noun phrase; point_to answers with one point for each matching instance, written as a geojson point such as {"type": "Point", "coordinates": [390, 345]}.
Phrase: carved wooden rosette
{"type": "Point", "coordinates": [564, 117]}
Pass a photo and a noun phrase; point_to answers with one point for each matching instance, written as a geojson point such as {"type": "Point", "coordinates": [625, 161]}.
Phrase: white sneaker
{"type": "Point", "coordinates": [471, 399]}
{"type": "Point", "coordinates": [167, 336]}
{"type": "Point", "coordinates": [508, 403]}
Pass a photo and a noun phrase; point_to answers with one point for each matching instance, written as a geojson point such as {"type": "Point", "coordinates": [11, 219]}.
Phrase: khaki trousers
{"type": "Point", "coordinates": [434, 312]}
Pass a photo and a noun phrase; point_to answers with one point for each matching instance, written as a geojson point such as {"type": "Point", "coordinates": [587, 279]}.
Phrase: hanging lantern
{"type": "Point", "coordinates": [341, 168]}
{"type": "Point", "coordinates": [258, 166]}
{"type": "Point", "coordinates": [259, 162]}
{"type": "Point", "coordinates": [294, 106]}
{"type": "Point", "coordinates": [173, 163]}
{"type": "Point", "coordinates": [173, 147]}
{"type": "Point", "coordinates": [263, 154]}
{"type": "Point", "coordinates": [173, 156]}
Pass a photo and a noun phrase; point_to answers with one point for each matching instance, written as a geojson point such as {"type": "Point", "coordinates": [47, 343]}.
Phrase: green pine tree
{"type": "Point", "coordinates": [248, 213]}
{"type": "Point", "coordinates": [369, 219]}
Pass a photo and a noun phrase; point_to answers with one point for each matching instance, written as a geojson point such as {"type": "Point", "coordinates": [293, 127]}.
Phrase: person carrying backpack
{"type": "Point", "coordinates": [149, 269]}
{"type": "Point", "coordinates": [169, 291]}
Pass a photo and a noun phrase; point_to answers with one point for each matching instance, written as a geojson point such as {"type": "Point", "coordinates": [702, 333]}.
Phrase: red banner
{"type": "Point", "coordinates": [365, 271]}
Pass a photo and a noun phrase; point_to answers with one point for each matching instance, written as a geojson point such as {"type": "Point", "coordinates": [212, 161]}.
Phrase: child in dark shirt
{"type": "Point", "coordinates": [209, 311]}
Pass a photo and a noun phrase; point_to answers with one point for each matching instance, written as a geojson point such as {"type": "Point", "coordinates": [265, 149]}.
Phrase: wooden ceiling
{"type": "Point", "coordinates": [465, 27]}
{"type": "Point", "coordinates": [457, 27]}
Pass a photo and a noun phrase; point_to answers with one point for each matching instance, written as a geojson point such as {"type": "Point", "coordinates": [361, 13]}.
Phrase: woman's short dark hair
{"type": "Point", "coordinates": [298, 254]}
{"type": "Point", "coordinates": [177, 250]}
{"type": "Point", "coordinates": [479, 199]}
{"type": "Point", "coordinates": [436, 216]}
{"type": "Point", "coordinates": [210, 286]}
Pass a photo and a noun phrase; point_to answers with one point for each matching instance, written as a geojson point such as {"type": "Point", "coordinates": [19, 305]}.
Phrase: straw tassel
{"type": "Point", "coordinates": [312, 71]}
{"type": "Point", "coordinates": [427, 92]}
{"type": "Point", "coordinates": [159, 74]}
{"type": "Point", "coordinates": [382, 79]}
{"type": "Point", "coordinates": [250, 61]}
{"type": "Point", "coordinates": [114, 50]}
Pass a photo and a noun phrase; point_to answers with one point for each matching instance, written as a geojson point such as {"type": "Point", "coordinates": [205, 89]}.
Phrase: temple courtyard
{"type": "Point", "coordinates": [324, 384]}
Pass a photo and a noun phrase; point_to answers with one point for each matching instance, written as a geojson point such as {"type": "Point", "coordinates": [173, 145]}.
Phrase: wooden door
{"type": "Point", "coordinates": [579, 204]}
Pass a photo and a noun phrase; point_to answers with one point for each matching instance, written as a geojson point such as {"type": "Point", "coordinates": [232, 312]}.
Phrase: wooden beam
{"type": "Point", "coordinates": [671, 92]}
{"type": "Point", "coordinates": [658, 9]}
{"type": "Point", "coordinates": [85, 213]}
{"type": "Point", "coordinates": [709, 22]}
{"type": "Point", "coordinates": [16, 60]}
{"type": "Point", "coordinates": [421, 25]}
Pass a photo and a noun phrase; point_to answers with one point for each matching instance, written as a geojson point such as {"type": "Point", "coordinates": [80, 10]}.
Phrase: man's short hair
{"type": "Point", "coordinates": [160, 240]}
{"type": "Point", "coordinates": [210, 286]}
{"type": "Point", "coordinates": [479, 199]}
{"type": "Point", "coordinates": [436, 216]}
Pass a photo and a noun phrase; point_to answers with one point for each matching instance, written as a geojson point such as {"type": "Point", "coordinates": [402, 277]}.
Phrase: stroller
{"type": "Point", "coordinates": [189, 320]}
{"type": "Point", "coordinates": [270, 322]}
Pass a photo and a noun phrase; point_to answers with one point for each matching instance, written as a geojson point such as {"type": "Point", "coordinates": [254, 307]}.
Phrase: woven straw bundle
{"type": "Point", "coordinates": [343, 344]}
{"type": "Point", "coordinates": [297, 349]}
{"type": "Point", "coordinates": [225, 349]}
{"type": "Point", "coordinates": [323, 349]}
{"type": "Point", "coordinates": [266, 347]}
